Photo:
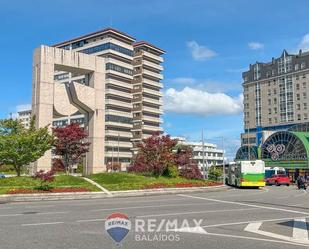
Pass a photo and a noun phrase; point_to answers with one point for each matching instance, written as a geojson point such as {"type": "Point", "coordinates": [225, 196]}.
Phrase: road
{"type": "Point", "coordinates": [274, 217]}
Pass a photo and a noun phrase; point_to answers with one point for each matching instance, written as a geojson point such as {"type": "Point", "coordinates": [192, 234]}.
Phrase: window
{"type": "Point", "coordinates": [297, 96]}
{"type": "Point", "coordinates": [304, 85]}
{"type": "Point", "coordinates": [269, 101]}
{"type": "Point", "coordinates": [275, 101]}
{"type": "Point", "coordinates": [275, 110]}
{"type": "Point", "coordinates": [297, 86]}
{"type": "Point", "coordinates": [298, 117]}
{"type": "Point", "coordinates": [269, 120]}
{"type": "Point", "coordinates": [305, 116]}
{"type": "Point", "coordinates": [275, 91]}
{"type": "Point", "coordinates": [269, 92]}
{"type": "Point", "coordinates": [111, 66]}
{"type": "Point", "coordinates": [106, 46]}
{"type": "Point", "coordinates": [298, 107]}
{"type": "Point", "coordinates": [269, 111]}
{"type": "Point", "coordinates": [304, 95]}
{"type": "Point", "coordinates": [302, 65]}
{"type": "Point", "coordinates": [297, 77]}
{"type": "Point", "coordinates": [305, 106]}
{"type": "Point", "coordinates": [296, 66]}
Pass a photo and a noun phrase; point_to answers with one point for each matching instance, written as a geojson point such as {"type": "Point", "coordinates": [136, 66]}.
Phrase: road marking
{"type": "Point", "coordinates": [42, 224]}
{"type": "Point", "coordinates": [244, 204]}
{"type": "Point", "coordinates": [93, 220]}
{"type": "Point", "coordinates": [254, 238]}
{"type": "Point", "coordinates": [254, 228]}
{"type": "Point", "coordinates": [40, 206]}
{"type": "Point", "coordinates": [252, 221]}
{"type": "Point", "coordinates": [197, 212]}
{"type": "Point", "coordinates": [198, 230]}
{"type": "Point", "coordinates": [154, 206]}
{"type": "Point", "coordinates": [300, 229]}
{"type": "Point", "coordinates": [13, 215]}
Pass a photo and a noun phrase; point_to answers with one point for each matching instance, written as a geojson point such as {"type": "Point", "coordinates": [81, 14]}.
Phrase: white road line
{"type": "Point", "coordinates": [153, 206]}
{"type": "Point", "coordinates": [300, 229]}
{"type": "Point", "coordinates": [254, 238]}
{"type": "Point", "coordinates": [93, 220]}
{"type": "Point", "coordinates": [197, 212]}
{"type": "Point", "coordinates": [13, 215]}
{"type": "Point", "coordinates": [42, 224]}
{"type": "Point", "coordinates": [244, 204]}
{"type": "Point", "coordinates": [40, 206]}
{"type": "Point", "coordinates": [253, 221]}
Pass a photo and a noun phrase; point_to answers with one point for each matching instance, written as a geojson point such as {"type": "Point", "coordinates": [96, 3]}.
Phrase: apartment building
{"type": "Point", "coordinates": [212, 154]}
{"type": "Point", "coordinates": [276, 96]}
{"type": "Point", "coordinates": [147, 103]}
{"type": "Point", "coordinates": [24, 117]}
{"type": "Point", "coordinates": [124, 59]}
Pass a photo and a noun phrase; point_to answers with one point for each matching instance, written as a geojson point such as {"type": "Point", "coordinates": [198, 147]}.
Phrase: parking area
{"type": "Point", "coordinates": [272, 217]}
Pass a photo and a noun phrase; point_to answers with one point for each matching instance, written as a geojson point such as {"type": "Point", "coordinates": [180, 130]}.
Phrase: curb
{"type": "Point", "coordinates": [98, 186]}
{"type": "Point", "coordinates": [102, 195]}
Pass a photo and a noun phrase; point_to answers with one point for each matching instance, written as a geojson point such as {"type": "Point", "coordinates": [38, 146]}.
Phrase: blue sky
{"type": "Point", "coordinates": [208, 43]}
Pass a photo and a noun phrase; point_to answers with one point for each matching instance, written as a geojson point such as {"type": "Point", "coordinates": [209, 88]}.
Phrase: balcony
{"type": "Point", "coordinates": [118, 124]}
{"type": "Point", "coordinates": [118, 93]}
{"type": "Point", "coordinates": [115, 154]}
{"type": "Point", "coordinates": [153, 110]}
{"type": "Point", "coordinates": [119, 63]}
{"type": "Point", "coordinates": [152, 101]}
{"type": "Point", "coordinates": [152, 128]}
{"type": "Point", "coordinates": [127, 76]}
{"type": "Point", "coordinates": [118, 83]}
{"type": "Point", "coordinates": [116, 143]}
{"type": "Point", "coordinates": [149, 55]}
{"type": "Point", "coordinates": [152, 119]}
{"type": "Point", "coordinates": [118, 103]}
{"type": "Point", "coordinates": [152, 65]}
{"type": "Point", "coordinates": [113, 133]}
{"type": "Point", "coordinates": [152, 92]}
{"type": "Point", "coordinates": [152, 74]}
{"type": "Point", "coordinates": [152, 83]}
{"type": "Point", "coordinates": [118, 113]}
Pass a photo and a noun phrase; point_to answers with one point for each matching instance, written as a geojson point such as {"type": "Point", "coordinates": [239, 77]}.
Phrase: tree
{"type": "Point", "coordinates": [45, 178]}
{"type": "Point", "coordinates": [187, 167]}
{"type": "Point", "coordinates": [71, 144]}
{"type": "Point", "coordinates": [159, 154]}
{"type": "Point", "coordinates": [20, 146]}
{"type": "Point", "coordinates": [155, 154]}
{"type": "Point", "coordinates": [214, 173]}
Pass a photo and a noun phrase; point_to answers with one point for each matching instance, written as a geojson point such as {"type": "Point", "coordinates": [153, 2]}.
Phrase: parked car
{"type": "Point", "coordinates": [2, 175]}
{"type": "Point", "coordinates": [278, 180]}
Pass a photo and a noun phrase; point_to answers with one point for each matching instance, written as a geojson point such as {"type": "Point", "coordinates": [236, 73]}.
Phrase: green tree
{"type": "Point", "coordinates": [20, 146]}
{"type": "Point", "coordinates": [214, 173]}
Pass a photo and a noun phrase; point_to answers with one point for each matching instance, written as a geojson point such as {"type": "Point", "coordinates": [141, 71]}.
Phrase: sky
{"type": "Point", "coordinates": [208, 44]}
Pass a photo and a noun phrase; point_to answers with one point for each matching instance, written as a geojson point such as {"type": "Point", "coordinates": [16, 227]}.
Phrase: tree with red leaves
{"type": "Point", "coordinates": [71, 144]}
{"type": "Point", "coordinates": [45, 178]}
{"type": "Point", "coordinates": [155, 154]}
{"type": "Point", "coordinates": [159, 152]}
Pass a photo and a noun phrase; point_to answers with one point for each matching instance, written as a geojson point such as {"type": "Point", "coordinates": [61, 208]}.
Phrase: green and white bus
{"type": "Point", "coordinates": [246, 174]}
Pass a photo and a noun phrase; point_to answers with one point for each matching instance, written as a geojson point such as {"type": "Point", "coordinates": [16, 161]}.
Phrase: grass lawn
{"type": "Point", "coordinates": [61, 181]}
{"type": "Point", "coordinates": [127, 181]}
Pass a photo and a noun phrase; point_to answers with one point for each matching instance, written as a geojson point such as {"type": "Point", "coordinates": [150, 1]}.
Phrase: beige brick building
{"type": "Point", "coordinates": [276, 96]}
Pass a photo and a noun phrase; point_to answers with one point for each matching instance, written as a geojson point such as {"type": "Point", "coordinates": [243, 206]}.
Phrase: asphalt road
{"type": "Point", "coordinates": [274, 217]}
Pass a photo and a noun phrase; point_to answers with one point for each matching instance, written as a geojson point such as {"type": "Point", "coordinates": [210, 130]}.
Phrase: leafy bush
{"type": "Point", "coordinates": [45, 178]}
{"type": "Point", "coordinates": [171, 171]}
{"type": "Point", "coordinates": [191, 172]}
{"type": "Point", "coordinates": [58, 165]}
{"type": "Point", "coordinates": [214, 173]}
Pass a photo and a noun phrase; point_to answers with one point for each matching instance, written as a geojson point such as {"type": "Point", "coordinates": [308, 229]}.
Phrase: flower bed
{"type": "Point", "coordinates": [53, 190]}
{"type": "Point", "coordinates": [181, 185]}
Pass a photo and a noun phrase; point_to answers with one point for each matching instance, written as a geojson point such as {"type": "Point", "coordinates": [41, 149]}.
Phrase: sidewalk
{"type": "Point", "coordinates": [100, 195]}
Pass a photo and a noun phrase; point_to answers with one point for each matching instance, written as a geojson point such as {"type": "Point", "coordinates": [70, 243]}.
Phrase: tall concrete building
{"type": "Point", "coordinates": [276, 96]}
{"type": "Point", "coordinates": [147, 103]}
{"type": "Point", "coordinates": [124, 58]}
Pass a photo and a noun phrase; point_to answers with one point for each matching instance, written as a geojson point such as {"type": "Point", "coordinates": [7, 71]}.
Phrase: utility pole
{"type": "Point", "coordinates": [248, 141]}
{"type": "Point", "coordinates": [118, 148]}
{"type": "Point", "coordinates": [223, 161]}
{"type": "Point", "coordinates": [203, 155]}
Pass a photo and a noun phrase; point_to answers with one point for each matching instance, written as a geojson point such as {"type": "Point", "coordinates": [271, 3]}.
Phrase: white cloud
{"type": "Point", "coordinates": [202, 103]}
{"type": "Point", "coordinates": [208, 85]}
{"type": "Point", "coordinates": [304, 44]}
{"type": "Point", "coordinates": [200, 52]}
{"type": "Point", "coordinates": [255, 45]}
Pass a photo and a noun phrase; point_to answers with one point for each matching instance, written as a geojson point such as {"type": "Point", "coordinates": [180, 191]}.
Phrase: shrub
{"type": "Point", "coordinates": [58, 165]}
{"type": "Point", "coordinates": [171, 171]}
{"type": "Point", "coordinates": [214, 173]}
{"type": "Point", "coordinates": [191, 172]}
{"type": "Point", "coordinates": [45, 178]}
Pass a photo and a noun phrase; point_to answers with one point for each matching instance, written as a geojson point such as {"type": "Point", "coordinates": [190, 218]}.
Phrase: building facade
{"type": "Point", "coordinates": [128, 65]}
{"type": "Point", "coordinates": [212, 154]}
{"type": "Point", "coordinates": [276, 96]}
{"type": "Point", "coordinates": [24, 117]}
